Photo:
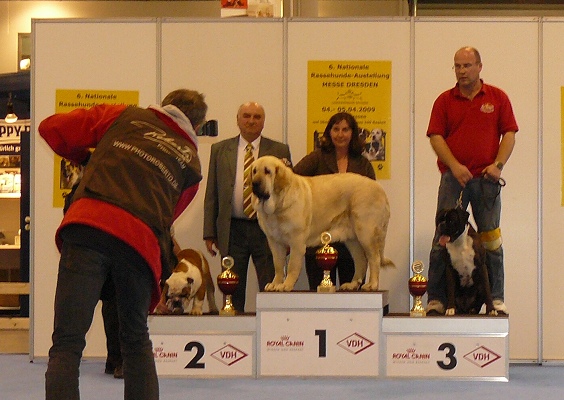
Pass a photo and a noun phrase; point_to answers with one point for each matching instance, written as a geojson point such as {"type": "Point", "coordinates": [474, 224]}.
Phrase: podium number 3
{"type": "Point", "coordinates": [449, 354]}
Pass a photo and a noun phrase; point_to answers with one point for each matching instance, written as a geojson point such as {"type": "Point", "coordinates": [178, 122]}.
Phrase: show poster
{"type": "Point", "coordinates": [65, 171]}
{"type": "Point", "coordinates": [562, 142]}
{"type": "Point", "coordinates": [361, 88]}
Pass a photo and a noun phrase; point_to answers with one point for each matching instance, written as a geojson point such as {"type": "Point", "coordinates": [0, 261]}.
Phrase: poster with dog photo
{"type": "Point", "coordinates": [360, 88]}
{"type": "Point", "coordinates": [66, 173]}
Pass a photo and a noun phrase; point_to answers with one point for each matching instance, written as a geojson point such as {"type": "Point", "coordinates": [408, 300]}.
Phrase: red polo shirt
{"type": "Point", "coordinates": [473, 128]}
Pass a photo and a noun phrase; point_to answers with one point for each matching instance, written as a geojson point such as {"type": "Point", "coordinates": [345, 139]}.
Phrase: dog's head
{"type": "Point", "coordinates": [269, 177]}
{"type": "Point", "coordinates": [71, 172]}
{"type": "Point", "coordinates": [377, 135]}
{"type": "Point", "coordinates": [179, 290]}
{"type": "Point", "coordinates": [451, 223]}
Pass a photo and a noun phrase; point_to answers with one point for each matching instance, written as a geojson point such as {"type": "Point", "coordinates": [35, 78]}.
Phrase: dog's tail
{"type": "Point", "coordinates": [387, 263]}
{"type": "Point", "coordinates": [210, 287]}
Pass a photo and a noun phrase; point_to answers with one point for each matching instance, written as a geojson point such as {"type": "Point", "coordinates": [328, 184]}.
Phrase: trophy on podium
{"type": "Point", "coordinates": [227, 282]}
{"type": "Point", "coordinates": [417, 288]}
{"type": "Point", "coordinates": [326, 258]}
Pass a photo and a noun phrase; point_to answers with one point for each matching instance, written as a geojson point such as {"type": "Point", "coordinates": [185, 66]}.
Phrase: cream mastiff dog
{"type": "Point", "coordinates": [294, 210]}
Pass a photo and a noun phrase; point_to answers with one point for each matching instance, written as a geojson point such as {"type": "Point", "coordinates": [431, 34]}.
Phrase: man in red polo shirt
{"type": "Point", "coordinates": [472, 130]}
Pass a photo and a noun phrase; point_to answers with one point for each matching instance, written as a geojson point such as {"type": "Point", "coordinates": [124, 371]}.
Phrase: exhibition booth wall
{"type": "Point", "coordinates": [234, 61]}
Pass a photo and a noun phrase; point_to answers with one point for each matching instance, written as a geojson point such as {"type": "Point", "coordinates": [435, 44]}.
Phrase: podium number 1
{"type": "Point", "coordinates": [322, 334]}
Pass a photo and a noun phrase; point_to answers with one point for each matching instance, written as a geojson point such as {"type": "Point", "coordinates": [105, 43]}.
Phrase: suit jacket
{"type": "Point", "coordinates": [221, 181]}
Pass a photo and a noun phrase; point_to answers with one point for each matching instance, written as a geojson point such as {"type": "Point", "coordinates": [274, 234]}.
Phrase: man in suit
{"type": "Point", "coordinates": [227, 228]}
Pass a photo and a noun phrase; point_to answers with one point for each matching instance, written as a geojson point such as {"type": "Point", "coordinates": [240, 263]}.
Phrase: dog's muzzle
{"type": "Point", "coordinates": [259, 193]}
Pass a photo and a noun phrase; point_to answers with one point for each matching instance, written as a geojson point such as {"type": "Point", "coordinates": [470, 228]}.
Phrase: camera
{"type": "Point", "coordinates": [209, 128]}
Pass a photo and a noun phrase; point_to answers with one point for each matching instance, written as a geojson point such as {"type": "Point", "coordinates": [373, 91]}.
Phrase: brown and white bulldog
{"type": "Point", "coordinates": [190, 281]}
{"type": "Point", "coordinates": [468, 286]}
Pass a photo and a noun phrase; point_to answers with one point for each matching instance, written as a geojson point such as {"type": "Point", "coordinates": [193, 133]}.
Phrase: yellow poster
{"type": "Point", "coordinates": [65, 171]}
{"type": "Point", "coordinates": [361, 88]}
{"type": "Point", "coordinates": [562, 142]}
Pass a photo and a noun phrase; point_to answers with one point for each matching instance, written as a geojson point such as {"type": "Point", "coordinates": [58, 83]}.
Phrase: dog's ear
{"type": "Point", "coordinates": [281, 177]}
{"type": "Point", "coordinates": [463, 215]}
{"type": "Point", "coordinates": [440, 216]}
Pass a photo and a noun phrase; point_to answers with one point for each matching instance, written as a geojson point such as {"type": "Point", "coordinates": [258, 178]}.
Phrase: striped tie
{"type": "Point", "coordinates": [247, 185]}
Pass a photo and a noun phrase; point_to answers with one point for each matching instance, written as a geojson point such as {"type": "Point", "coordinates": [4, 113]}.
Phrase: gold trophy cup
{"type": "Point", "coordinates": [227, 282]}
{"type": "Point", "coordinates": [417, 288]}
{"type": "Point", "coordinates": [326, 258]}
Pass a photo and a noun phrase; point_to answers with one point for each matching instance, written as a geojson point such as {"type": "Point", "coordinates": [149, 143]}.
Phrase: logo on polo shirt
{"type": "Point", "coordinates": [487, 108]}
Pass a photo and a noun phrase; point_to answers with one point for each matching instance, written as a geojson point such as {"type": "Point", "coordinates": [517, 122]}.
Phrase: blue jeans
{"type": "Point", "coordinates": [484, 197]}
{"type": "Point", "coordinates": [82, 273]}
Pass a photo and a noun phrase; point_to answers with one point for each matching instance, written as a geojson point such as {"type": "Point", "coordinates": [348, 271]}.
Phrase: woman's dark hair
{"type": "Point", "coordinates": [190, 102]}
{"type": "Point", "coordinates": [355, 145]}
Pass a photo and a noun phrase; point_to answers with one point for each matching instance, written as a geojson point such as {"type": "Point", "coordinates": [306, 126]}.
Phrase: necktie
{"type": "Point", "coordinates": [247, 185]}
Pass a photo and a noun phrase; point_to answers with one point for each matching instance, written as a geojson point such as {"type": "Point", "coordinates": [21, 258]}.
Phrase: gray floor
{"type": "Point", "coordinates": [21, 379]}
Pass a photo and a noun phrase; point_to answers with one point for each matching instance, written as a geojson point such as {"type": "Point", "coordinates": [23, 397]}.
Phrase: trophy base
{"type": "Point", "coordinates": [417, 313]}
{"type": "Point", "coordinates": [326, 289]}
{"type": "Point", "coordinates": [228, 313]}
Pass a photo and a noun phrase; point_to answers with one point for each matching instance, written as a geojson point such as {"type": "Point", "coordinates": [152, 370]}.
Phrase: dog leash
{"type": "Point", "coordinates": [500, 184]}
{"type": "Point", "coordinates": [483, 180]}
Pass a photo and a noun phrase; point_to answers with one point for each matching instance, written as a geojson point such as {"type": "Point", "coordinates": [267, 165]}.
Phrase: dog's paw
{"type": "Point", "coordinates": [161, 309]}
{"type": "Point", "coordinates": [450, 311]}
{"type": "Point", "coordinates": [349, 287]}
{"type": "Point", "coordinates": [278, 287]}
{"type": "Point", "coordinates": [493, 312]}
{"type": "Point", "coordinates": [196, 311]}
{"type": "Point", "coordinates": [370, 287]}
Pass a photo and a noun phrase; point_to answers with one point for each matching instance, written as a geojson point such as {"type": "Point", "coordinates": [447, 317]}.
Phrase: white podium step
{"type": "Point", "coordinates": [204, 346]}
{"type": "Point", "coordinates": [319, 334]}
{"type": "Point", "coordinates": [458, 347]}
{"type": "Point", "coordinates": [340, 334]}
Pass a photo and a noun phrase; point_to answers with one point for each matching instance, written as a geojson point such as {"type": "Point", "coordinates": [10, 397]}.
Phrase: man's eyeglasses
{"type": "Point", "coordinates": [458, 67]}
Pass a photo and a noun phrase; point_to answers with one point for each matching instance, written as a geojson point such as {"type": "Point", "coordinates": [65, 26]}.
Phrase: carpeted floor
{"type": "Point", "coordinates": [22, 380]}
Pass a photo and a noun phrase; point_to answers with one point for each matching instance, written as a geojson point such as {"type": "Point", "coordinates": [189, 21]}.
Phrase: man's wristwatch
{"type": "Point", "coordinates": [499, 165]}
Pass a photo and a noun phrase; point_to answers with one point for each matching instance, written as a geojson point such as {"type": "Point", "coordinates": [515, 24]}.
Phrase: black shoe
{"type": "Point", "coordinates": [118, 372]}
{"type": "Point", "coordinates": [109, 368]}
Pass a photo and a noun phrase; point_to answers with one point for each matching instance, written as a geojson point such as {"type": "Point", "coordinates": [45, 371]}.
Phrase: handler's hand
{"type": "Point", "coordinates": [462, 174]}
{"type": "Point", "coordinates": [492, 173]}
{"type": "Point", "coordinates": [210, 244]}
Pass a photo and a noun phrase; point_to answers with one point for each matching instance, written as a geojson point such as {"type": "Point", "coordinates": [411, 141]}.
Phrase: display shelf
{"type": "Point", "coordinates": [10, 195]}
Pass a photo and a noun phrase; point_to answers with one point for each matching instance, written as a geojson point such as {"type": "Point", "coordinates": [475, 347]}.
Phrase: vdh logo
{"type": "Point", "coordinates": [229, 355]}
{"type": "Point", "coordinates": [482, 356]}
{"type": "Point", "coordinates": [355, 343]}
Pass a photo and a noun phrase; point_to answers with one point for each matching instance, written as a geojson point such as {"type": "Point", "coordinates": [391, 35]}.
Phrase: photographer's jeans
{"type": "Point", "coordinates": [82, 273]}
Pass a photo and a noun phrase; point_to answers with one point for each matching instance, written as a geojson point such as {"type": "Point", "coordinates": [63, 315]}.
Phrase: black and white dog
{"type": "Point", "coordinates": [468, 285]}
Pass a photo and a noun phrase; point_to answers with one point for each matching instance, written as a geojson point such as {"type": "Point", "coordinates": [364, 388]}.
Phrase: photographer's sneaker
{"type": "Point", "coordinates": [500, 307]}
{"type": "Point", "coordinates": [435, 307]}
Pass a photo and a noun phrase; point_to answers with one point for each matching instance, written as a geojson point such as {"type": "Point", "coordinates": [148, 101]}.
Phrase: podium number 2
{"type": "Point", "coordinates": [194, 362]}
{"type": "Point", "coordinates": [449, 354]}
{"type": "Point", "coordinates": [322, 333]}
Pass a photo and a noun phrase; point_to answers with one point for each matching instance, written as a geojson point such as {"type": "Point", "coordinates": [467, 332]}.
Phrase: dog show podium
{"type": "Point", "coordinates": [343, 334]}
{"type": "Point", "coordinates": [456, 347]}
{"type": "Point", "coordinates": [204, 345]}
{"type": "Point", "coordinates": [319, 334]}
